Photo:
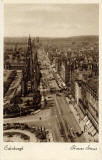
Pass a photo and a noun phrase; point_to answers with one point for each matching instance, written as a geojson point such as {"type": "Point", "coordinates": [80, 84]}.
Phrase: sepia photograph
{"type": "Point", "coordinates": [51, 73]}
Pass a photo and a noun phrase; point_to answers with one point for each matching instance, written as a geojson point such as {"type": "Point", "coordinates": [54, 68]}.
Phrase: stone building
{"type": "Point", "coordinates": [87, 100]}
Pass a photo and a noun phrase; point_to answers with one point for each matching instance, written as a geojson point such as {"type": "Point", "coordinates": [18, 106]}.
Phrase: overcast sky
{"type": "Point", "coordinates": [51, 20]}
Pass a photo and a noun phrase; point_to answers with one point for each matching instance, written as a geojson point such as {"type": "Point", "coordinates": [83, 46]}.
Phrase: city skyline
{"type": "Point", "coordinates": [50, 20]}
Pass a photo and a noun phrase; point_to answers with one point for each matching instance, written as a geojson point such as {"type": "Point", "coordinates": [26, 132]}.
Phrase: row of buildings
{"type": "Point", "coordinates": [80, 74]}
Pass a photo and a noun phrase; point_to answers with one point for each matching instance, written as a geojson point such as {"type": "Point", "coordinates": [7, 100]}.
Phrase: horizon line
{"type": "Point", "coordinates": [50, 36]}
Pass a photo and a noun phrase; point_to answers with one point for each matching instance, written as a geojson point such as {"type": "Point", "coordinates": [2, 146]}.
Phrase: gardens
{"type": "Point", "coordinates": [23, 132]}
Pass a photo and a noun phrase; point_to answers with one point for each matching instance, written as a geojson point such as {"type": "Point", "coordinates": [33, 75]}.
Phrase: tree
{"type": "Point", "coordinates": [13, 109]}
{"type": "Point", "coordinates": [16, 100]}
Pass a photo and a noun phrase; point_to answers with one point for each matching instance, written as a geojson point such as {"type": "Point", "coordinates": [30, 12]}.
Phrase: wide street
{"type": "Point", "coordinates": [67, 123]}
{"type": "Point", "coordinates": [55, 115]}
{"type": "Point", "coordinates": [68, 120]}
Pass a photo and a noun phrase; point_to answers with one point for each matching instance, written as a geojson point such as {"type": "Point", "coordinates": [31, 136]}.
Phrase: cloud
{"type": "Point", "coordinates": [32, 8]}
{"type": "Point", "coordinates": [50, 19]}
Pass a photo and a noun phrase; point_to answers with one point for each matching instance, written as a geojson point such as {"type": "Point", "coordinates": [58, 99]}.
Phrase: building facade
{"type": "Point", "coordinates": [88, 101]}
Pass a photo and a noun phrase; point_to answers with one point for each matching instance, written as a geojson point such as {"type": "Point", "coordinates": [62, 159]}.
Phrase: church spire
{"type": "Point", "coordinates": [29, 41]}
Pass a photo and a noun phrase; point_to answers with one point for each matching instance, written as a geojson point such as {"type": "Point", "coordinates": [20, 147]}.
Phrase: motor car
{"type": "Point", "coordinates": [58, 94]}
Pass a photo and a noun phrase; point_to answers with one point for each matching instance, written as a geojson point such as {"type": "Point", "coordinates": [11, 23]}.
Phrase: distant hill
{"type": "Point", "coordinates": [71, 42]}
{"type": "Point", "coordinates": [63, 42]}
{"type": "Point", "coordinates": [17, 39]}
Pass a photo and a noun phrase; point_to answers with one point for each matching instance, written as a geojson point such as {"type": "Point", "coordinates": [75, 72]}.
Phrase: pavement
{"type": "Point", "coordinates": [70, 121]}
{"type": "Point", "coordinates": [84, 123]}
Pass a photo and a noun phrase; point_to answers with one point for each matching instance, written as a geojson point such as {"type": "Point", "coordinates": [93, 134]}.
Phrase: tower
{"type": "Point", "coordinates": [24, 82]}
{"type": "Point", "coordinates": [68, 69]}
{"type": "Point", "coordinates": [31, 65]}
{"type": "Point", "coordinates": [67, 72]}
{"type": "Point", "coordinates": [29, 43]}
{"type": "Point", "coordinates": [31, 74]}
